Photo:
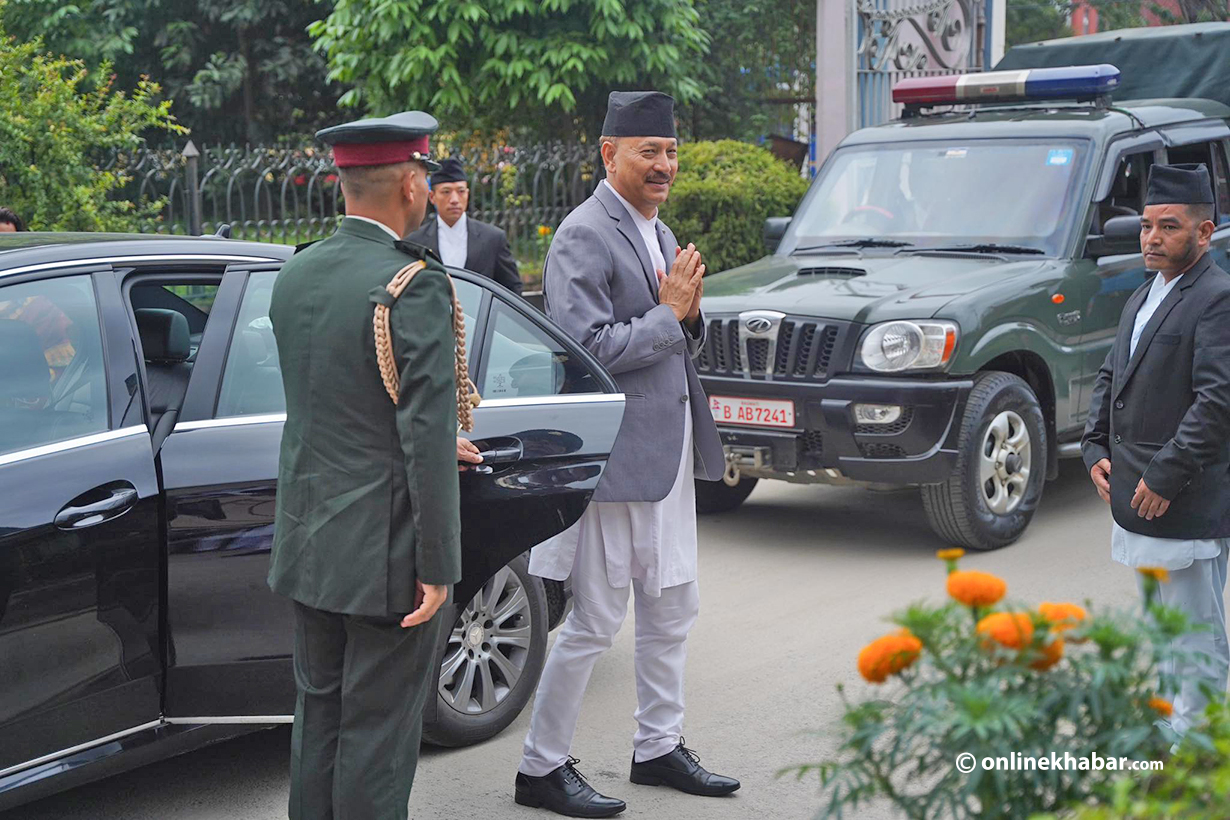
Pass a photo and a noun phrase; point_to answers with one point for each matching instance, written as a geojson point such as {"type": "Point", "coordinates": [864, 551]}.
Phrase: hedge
{"type": "Point", "coordinates": [724, 192]}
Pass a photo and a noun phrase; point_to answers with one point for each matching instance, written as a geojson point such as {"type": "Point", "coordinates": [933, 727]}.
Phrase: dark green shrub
{"type": "Point", "coordinates": [55, 129]}
{"type": "Point", "coordinates": [723, 194]}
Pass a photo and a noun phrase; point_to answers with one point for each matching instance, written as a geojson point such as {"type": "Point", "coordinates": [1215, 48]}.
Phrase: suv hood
{"type": "Point", "coordinates": [885, 286]}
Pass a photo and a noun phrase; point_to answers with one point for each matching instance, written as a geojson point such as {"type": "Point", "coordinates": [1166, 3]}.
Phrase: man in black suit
{"type": "Point", "coordinates": [1160, 414]}
{"type": "Point", "coordinates": [460, 241]}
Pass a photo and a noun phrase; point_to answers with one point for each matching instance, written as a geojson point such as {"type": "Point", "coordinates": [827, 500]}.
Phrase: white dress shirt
{"type": "Point", "coordinates": [1134, 549]}
{"type": "Point", "coordinates": [377, 223]}
{"type": "Point", "coordinates": [454, 242]}
{"type": "Point", "coordinates": [648, 229]}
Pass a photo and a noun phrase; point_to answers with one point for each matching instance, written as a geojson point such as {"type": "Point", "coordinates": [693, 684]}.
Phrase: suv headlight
{"type": "Point", "coordinates": [891, 347]}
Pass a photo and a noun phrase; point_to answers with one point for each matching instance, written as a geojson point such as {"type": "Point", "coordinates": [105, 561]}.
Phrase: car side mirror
{"type": "Point", "coordinates": [774, 229]}
{"type": "Point", "coordinates": [1120, 235]}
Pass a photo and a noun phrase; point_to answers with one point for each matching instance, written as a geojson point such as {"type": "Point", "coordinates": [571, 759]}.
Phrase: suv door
{"type": "Point", "coordinates": [231, 638]}
{"type": "Point", "coordinates": [79, 523]}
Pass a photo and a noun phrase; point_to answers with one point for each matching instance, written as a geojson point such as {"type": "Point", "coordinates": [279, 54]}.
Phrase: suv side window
{"type": "Point", "coordinates": [523, 360]}
{"type": "Point", "coordinates": [252, 377]}
{"type": "Point", "coordinates": [1127, 192]}
{"type": "Point", "coordinates": [1221, 180]}
{"type": "Point", "coordinates": [53, 382]}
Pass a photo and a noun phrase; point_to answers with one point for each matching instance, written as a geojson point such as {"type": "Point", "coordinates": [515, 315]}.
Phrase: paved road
{"type": "Point", "coordinates": [792, 585]}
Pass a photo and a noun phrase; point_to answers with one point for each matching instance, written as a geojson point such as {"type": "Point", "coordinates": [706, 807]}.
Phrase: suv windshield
{"type": "Point", "coordinates": [928, 194]}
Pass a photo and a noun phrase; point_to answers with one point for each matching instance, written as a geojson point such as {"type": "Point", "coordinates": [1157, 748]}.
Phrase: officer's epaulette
{"type": "Point", "coordinates": [418, 251]}
{"type": "Point", "coordinates": [305, 245]}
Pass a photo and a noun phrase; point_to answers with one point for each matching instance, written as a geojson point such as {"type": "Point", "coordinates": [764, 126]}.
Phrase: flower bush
{"type": "Point", "coordinates": [982, 676]}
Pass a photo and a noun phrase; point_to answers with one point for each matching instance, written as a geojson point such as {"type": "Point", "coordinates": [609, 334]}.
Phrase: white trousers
{"type": "Point", "coordinates": [598, 611]}
{"type": "Point", "coordinates": [1198, 590]}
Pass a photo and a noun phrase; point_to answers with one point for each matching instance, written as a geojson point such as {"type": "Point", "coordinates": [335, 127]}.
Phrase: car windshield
{"type": "Point", "coordinates": [1013, 193]}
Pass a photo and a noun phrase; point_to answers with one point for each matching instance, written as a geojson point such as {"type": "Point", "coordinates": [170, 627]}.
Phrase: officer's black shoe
{"type": "Point", "coordinates": [681, 769]}
{"type": "Point", "coordinates": [564, 791]}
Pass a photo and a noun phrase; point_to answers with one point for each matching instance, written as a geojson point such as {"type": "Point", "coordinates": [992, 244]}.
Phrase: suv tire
{"type": "Point", "coordinates": [719, 497]}
{"type": "Point", "coordinates": [1001, 467]}
{"type": "Point", "coordinates": [507, 605]}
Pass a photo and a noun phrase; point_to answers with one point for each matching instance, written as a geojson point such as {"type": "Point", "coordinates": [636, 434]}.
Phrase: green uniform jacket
{"type": "Point", "coordinates": [368, 497]}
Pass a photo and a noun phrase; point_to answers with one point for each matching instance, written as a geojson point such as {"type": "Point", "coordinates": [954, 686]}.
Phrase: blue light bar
{"type": "Point", "coordinates": [1035, 84]}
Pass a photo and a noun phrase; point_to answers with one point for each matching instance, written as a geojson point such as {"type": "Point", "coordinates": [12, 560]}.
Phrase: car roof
{"type": "Point", "coordinates": [1044, 121]}
{"type": "Point", "coordinates": [34, 248]}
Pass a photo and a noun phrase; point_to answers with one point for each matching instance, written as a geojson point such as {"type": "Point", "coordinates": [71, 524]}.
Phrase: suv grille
{"type": "Point", "coordinates": [805, 349]}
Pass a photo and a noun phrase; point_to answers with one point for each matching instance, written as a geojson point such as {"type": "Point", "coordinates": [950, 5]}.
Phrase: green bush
{"type": "Point", "coordinates": [723, 194]}
{"type": "Point", "coordinates": [55, 129]}
{"type": "Point", "coordinates": [1195, 783]}
{"type": "Point", "coordinates": [974, 679]}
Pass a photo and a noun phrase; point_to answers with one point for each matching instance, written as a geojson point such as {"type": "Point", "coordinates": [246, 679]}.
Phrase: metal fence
{"type": "Point", "coordinates": [913, 38]}
{"type": "Point", "coordinates": [292, 195]}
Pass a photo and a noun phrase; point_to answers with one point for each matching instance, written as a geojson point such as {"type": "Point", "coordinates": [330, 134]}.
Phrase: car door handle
{"type": "Point", "coordinates": [507, 454]}
{"type": "Point", "coordinates": [118, 500]}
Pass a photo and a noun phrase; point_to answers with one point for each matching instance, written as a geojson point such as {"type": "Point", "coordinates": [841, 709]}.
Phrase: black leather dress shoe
{"type": "Point", "coordinates": [564, 791]}
{"type": "Point", "coordinates": [681, 769]}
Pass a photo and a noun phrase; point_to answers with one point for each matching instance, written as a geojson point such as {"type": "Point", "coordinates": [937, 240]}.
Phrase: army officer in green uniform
{"type": "Point", "coordinates": [368, 523]}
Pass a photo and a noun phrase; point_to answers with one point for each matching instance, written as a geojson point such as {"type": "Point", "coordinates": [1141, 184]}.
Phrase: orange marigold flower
{"type": "Point", "coordinates": [1156, 573]}
{"type": "Point", "coordinates": [1014, 630]}
{"type": "Point", "coordinates": [544, 230]}
{"type": "Point", "coordinates": [950, 554]}
{"type": "Point", "coordinates": [1062, 616]}
{"type": "Point", "coordinates": [1051, 655]}
{"type": "Point", "coordinates": [887, 656]}
{"type": "Point", "coordinates": [1162, 707]}
{"type": "Point", "coordinates": [974, 588]}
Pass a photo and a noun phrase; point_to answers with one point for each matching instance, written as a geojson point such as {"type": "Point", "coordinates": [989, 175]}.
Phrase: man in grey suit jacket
{"type": "Point", "coordinates": [457, 239]}
{"type": "Point", "coordinates": [1160, 414]}
{"type": "Point", "coordinates": [606, 283]}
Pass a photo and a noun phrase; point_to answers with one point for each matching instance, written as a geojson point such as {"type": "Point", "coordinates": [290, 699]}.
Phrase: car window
{"type": "Point", "coordinates": [53, 383]}
{"type": "Point", "coordinates": [1221, 181]}
{"type": "Point", "coordinates": [252, 378]}
{"type": "Point", "coordinates": [524, 360]}
{"type": "Point", "coordinates": [1127, 192]}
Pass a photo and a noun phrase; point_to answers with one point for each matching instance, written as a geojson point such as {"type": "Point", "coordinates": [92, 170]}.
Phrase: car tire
{"type": "Point", "coordinates": [1001, 467]}
{"type": "Point", "coordinates": [719, 497]}
{"type": "Point", "coordinates": [501, 630]}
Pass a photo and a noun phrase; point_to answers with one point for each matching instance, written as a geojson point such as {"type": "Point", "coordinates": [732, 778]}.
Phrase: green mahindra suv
{"type": "Point", "coordinates": [937, 309]}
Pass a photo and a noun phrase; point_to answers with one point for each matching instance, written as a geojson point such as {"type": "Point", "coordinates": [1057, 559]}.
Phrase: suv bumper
{"type": "Point", "coordinates": [827, 446]}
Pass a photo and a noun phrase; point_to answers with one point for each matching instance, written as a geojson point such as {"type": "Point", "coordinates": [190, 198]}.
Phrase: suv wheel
{"type": "Point", "coordinates": [1001, 467]}
{"type": "Point", "coordinates": [719, 497]}
{"type": "Point", "coordinates": [493, 659]}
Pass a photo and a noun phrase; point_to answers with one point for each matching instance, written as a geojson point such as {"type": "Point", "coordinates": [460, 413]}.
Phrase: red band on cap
{"type": "Point", "coordinates": [349, 154]}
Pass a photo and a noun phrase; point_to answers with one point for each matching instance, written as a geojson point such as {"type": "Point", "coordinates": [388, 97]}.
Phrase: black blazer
{"type": "Point", "coordinates": [1165, 414]}
{"type": "Point", "coordinates": [487, 250]}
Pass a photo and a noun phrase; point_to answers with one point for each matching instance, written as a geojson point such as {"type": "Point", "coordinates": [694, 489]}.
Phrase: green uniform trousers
{"type": "Point", "coordinates": [362, 683]}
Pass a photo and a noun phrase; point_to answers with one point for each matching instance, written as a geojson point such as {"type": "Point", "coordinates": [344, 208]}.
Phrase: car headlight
{"type": "Point", "coordinates": [891, 347]}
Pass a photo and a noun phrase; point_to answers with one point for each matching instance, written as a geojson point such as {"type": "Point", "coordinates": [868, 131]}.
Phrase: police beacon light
{"type": "Point", "coordinates": [1085, 82]}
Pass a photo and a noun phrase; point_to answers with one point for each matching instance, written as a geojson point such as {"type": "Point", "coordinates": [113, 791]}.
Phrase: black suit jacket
{"type": "Point", "coordinates": [1164, 414]}
{"type": "Point", "coordinates": [487, 250]}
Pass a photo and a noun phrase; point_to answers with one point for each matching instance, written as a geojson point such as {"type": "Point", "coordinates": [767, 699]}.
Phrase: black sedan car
{"type": "Point", "coordinates": [137, 483]}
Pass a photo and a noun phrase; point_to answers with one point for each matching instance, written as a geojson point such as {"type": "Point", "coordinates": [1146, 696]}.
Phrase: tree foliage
{"type": "Point", "coordinates": [724, 192]}
{"type": "Point", "coordinates": [1029, 21]}
{"type": "Point", "coordinates": [241, 69]}
{"type": "Point", "coordinates": [544, 63]}
{"type": "Point", "coordinates": [758, 63]}
{"type": "Point", "coordinates": [55, 127]}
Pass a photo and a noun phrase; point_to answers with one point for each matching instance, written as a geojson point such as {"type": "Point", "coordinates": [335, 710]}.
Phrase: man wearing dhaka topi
{"type": "Point", "coordinates": [1157, 443]}
{"type": "Point", "coordinates": [608, 284]}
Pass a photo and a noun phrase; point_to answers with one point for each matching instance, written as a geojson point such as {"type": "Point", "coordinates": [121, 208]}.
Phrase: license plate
{"type": "Point", "coordinates": [753, 412]}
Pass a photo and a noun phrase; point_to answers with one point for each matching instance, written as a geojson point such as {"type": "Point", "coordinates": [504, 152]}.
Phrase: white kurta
{"type": "Point", "coordinates": [653, 542]}
{"type": "Point", "coordinates": [1134, 549]}
{"type": "Point", "coordinates": [454, 242]}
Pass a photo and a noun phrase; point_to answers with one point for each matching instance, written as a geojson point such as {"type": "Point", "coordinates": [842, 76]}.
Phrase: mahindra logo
{"type": "Point", "coordinates": [758, 324]}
